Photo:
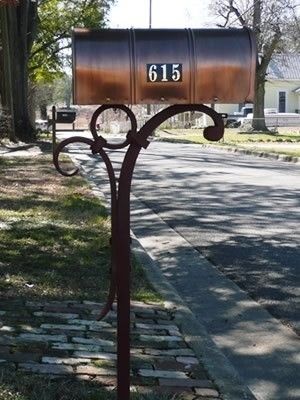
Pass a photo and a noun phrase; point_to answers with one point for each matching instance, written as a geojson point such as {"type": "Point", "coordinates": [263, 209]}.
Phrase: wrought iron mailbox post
{"type": "Point", "coordinates": [181, 67]}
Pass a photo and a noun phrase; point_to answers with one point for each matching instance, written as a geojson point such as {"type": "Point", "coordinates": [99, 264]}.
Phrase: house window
{"type": "Point", "coordinates": [282, 102]}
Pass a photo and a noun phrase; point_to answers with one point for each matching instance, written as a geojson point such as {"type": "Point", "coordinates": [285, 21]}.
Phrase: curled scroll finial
{"type": "Point", "coordinates": [99, 111]}
{"type": "Point", "coordinates": [60, 147]}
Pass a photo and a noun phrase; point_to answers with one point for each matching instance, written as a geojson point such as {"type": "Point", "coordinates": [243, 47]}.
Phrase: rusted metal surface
{"type": "Point", "coordinates": [120, 212]}
{"type": "Point", "coordinates": [171, 66]}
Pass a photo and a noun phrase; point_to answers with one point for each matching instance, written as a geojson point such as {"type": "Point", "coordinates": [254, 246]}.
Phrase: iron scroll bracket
{"type": "Point", "coordinates": [120, 210]}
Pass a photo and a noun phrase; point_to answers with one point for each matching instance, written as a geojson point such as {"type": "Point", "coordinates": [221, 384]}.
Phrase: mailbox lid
{"type": "Point", "coordinates": [101, 66]}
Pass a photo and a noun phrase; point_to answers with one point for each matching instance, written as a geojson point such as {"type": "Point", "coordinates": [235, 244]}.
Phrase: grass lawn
{"type": "Point", "coordinates": [27, 387]}
{"type": "Point", "coordinates": [279, 149]}
{"type": "Point", "coordinates": [231, 136]}
{"type": "Point", "coordinates": [54, 236]}
{"type": "Point", "coordinates": [54, 244]}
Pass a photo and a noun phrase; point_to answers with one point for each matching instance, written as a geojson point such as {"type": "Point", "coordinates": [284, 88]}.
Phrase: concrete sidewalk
{"type": "Point", "coordinates": [262, 350]}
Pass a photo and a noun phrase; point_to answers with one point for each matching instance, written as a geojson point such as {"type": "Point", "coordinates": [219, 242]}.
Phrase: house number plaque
{"type": "Point", "coordinates": [164, 72]}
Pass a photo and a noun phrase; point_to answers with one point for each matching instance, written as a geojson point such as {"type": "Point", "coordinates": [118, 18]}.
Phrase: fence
{"type": "Point", "coordinates": [274, 121]}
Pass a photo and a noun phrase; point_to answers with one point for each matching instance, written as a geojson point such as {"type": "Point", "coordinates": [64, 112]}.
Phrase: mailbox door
{"type": "Point", "coordinates": [101, 62]}
{"type": "Point", "coordinates": [162, 66]}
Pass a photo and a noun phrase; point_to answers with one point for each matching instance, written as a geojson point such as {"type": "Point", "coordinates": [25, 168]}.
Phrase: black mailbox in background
{"type": "Point", "coordinates": [65, 116]}
{"type": "Point", "coordinates": [171, 66]}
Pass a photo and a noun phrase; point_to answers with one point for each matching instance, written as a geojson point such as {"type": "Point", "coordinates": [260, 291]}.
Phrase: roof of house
{"type": "Point", "coordinates": [284, 66]}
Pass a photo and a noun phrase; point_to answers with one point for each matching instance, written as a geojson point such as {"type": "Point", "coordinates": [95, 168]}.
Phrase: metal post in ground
{"type": "Point", "coordinates": [120, 213]}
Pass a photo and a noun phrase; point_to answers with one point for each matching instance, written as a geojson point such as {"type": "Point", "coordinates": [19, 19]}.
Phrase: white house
{"type": "Point", "coordinates": [283, 83]}
{"type": "Point", "coordinates": [282, 90]}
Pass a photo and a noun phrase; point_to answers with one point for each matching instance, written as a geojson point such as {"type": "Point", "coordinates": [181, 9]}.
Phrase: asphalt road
{"type": "Point", "coordinates": [241, 212]}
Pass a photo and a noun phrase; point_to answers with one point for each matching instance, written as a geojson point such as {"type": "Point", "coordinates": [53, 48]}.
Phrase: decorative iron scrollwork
{"type": "Point", "coordinates": [120, 210]}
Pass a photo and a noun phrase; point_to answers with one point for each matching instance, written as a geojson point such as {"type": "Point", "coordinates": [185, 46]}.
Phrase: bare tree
{"type": "Point", "coordinates": [272, 22]}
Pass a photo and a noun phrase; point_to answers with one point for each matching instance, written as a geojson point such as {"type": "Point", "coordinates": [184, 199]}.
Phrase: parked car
{"type": "Point", "coordinates": [234, 120]}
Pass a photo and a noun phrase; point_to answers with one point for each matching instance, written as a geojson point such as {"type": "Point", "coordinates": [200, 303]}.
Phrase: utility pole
{"type": "Point", "coordinates": [150, 26]}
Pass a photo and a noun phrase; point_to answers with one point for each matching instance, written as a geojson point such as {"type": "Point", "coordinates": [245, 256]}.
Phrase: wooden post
{"type": "Point", "coordinates": [53, 128]}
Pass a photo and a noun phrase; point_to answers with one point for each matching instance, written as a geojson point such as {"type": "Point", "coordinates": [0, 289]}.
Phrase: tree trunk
{"type": "Point", "coordinates": [43, 111]}
{"type": "Point", "coordinates": [259, 123]}
{"type": "Point", "coordinates": [32, 102]}
{"type": "Point", "coordinates": [6, 84]}
{"type": "Point", "coordinates": [24, 128]}
{"type": "Point", "coordinates": [257, 10]}
{"type": "Point", "coordinates": [19, 33]}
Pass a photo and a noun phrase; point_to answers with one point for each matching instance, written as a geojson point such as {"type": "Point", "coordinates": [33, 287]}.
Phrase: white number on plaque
{"type": "Point", "coordinates": [152, 74]}
{"type": "Point", "coordinates": [176, 75]}
{"type": "Point", "coordinates": [164, 73]}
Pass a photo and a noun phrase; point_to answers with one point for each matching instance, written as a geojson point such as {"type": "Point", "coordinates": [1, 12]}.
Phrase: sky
{"type": "Point", "coordinates": [165, 14]}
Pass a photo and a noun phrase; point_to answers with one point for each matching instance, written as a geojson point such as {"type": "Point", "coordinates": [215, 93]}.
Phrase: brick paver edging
{"type": "Point", "coordinates": [62, 338]}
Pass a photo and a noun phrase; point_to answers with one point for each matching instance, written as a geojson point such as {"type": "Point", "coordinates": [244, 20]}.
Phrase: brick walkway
{"type": "Point", "coordinates": [63, 338]}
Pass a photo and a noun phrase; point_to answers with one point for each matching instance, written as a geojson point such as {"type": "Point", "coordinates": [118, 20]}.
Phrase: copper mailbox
{"type": "Point", "coordinates": [172, 66]}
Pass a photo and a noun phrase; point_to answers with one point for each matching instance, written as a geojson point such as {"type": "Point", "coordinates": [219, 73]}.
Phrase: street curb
{"type": "Point", "coordinates": [218, 366]}
{"type": "Point", "coordinates": [261, 154]}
